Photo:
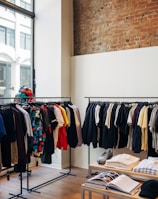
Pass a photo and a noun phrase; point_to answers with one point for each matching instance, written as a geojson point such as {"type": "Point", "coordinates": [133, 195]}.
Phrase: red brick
{"type": "Point", "coordinates": [111, 25]}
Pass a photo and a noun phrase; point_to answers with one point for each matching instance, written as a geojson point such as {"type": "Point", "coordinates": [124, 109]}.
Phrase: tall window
{"type": "Point", "coordinates": [16, 46]}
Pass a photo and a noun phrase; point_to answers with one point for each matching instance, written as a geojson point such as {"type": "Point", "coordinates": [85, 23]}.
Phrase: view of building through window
{"type": "Point", "coordinates": [15, 48]}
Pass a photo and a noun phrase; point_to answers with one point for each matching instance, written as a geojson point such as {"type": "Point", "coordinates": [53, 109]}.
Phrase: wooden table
{"type": "Point", "coordinates": [133, 174]}
{"type": "Point", "coordinates": [110, 193]}
{"type": "Point", "coordinates": [106, 193]}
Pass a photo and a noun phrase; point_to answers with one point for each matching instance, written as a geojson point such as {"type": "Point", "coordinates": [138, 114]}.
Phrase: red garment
{"type": "Point", "coordinates": [62, 138]}
{"type": "Point", "coordinates": [62, 142]}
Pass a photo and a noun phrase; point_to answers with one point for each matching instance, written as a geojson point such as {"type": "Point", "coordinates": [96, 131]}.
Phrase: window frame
{"type": "Point", "coordinates": [19, 9]}
{"type": "Point", "coordinates": [31, 15]}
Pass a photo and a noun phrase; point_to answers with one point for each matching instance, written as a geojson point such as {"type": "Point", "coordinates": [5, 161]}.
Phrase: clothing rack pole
{"type": "Point", "coordinates": [89, 145]}
{"type": "Point", "coordinates": [69, 172]}
{"type": "Point", "coordinates": [115, 97]}
{"type": "Point", "coordinates": [21, 192]}
{"type": "Point", "coordinates": [128, 97]}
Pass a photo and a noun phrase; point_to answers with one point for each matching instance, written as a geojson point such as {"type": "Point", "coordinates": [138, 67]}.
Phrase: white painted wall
{"type": "Point", "coordinates": [120, 73]}
{"type": "Point", "coordinates": [48, 47]}
{"type": "Point", "coordinates": [67, 46]}
{"type": "Point", "coordinates": [114, 74]}
{"type": "Point", "coordinates": [53, 49]}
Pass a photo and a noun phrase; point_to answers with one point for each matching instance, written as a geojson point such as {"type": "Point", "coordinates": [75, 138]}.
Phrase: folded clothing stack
{"type": "Point", "coordinates": [123, 161]}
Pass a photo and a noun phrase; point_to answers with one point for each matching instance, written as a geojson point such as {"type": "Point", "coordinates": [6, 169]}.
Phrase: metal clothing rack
{"type": "Point", "coordinates": [33, 189]}
{"type": "Point", "coordinates": [91, 99]}
{"type": "Point", "coordinates": [63, 175]}
{"type": "Point", "coordinates": [19, 195]}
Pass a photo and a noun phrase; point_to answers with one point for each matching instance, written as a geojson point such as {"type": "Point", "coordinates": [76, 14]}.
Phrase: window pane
{"type": "Point", "coordinates": [5, 77]}
{"type": "Point", "coordinates": [11, 37]}
{"type": "Point", "coordinates": [15, 52]}
{"type": "Point", "coordinates": [2, 35]}
{"type": "Point", "coordinates": [7, 36]}
{"type": "Point", "coordinates": [25, 75]}
{"type": "Point", "coordinates": [28, 42]}
{"type": "Point", "coordinates": [27, 4]}
{"type": "Point", "coordinates": [22, 40]}
{"type": "Point", "coordinates": [25, 41]}
{"type": "Point", "coordinates": [1, 75]}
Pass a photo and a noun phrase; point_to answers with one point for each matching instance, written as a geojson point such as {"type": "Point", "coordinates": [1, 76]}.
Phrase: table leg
{"type": "Point", "coordinates": [82, 193]}
{"type": "Point", "coordinates": [105, 197]}
{"type": "Point", "coordinates": [90, 195]}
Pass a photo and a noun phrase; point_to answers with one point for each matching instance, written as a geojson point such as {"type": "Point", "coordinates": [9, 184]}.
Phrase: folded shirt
{"type": "Point", "coordinates": [148, 166]}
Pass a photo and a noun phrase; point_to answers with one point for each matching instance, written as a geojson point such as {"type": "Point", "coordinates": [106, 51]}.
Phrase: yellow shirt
{"type": "Point", "coordinates": [143, 123]}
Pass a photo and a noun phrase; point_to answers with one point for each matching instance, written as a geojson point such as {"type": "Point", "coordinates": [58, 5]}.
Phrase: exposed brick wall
{"type": "Point", "coordinates": [111, 25]}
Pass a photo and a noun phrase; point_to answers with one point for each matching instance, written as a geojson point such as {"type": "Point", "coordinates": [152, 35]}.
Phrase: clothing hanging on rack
{"type": "Point", "coordinates": [42, 127]}
{"type": "Point", "coordinates": [14, 145]}
{"type": "Point", "coordinates": [28, 129]}
{"type": "Point", "coordinates": [2, 133]}
{"type": "Point", "coordinates": [77, 124]}
{"type": "Point", "coordinates": [121, 124]}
